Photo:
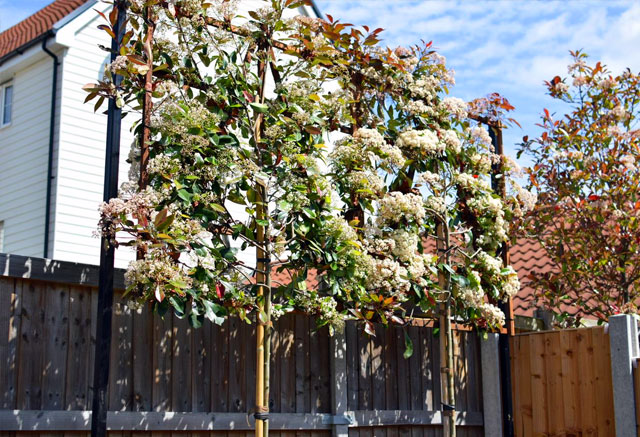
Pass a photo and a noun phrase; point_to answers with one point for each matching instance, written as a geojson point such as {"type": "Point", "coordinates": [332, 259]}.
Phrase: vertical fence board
{"type": "Point", "coordinates": [181, 365]}
{"type": "Point", "coordinates": [351, 333]}
{"type": "Point", "coordinates": [237, 386]}
{"type": "Point", "coordinates": [538, 385]}
{"type": "Point", "coordinates": [404, 394]}
{"type": "Point", "coordinates": [288, 365]}
{"type": "Point", "coordinates": [161, 393]}
{"type": "Point", "coordinates": [555, 393]}
{"type": "Point", "coordinates": [220, 367]}
{"type": "Point", "coordinates": [56, 343]}
{"type": "Point", "coordinates": [603, 382]}
{"type": "Point", "coordinates": [121, 367]}
{"type": "Point", "coordinates": [587, 393]}
{"type": "Point", "coordinates": [10, 317]}
{"type": "Point", "coordinates": [570, 381]}
{"type": "Point", "coordinates": [390, 369]}
{"type": "Point", "coordinates": [249, 339]}
{"type": "Point", "coordinates": [276, 350]}
{"type": "Point", "coordinates": [142, 356]}
{"type": "Point", "coordinates": [201, 367]}
{"type": "Point", "coordinates": [31, 346]}
{"type": "Point", "coordinates": [78, 362]}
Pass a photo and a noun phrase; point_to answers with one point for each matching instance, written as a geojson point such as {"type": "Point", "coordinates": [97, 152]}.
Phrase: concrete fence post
{"type": "Point", "coordinates": [491, 390]}
{"type": "Point", "coordinates": [623, 338]}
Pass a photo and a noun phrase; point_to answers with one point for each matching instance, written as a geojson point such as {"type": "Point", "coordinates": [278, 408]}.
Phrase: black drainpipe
{"type": "Point", "coordinates": [52, 125]}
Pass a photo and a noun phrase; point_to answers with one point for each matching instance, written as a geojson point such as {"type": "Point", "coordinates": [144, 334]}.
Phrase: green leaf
{"type": "Point", "coordinates": [408, 346]}
{"type": "Point", "coordinates": [259, 107]}
{"type": "Point", "coordinates": [184, 195]}
{"type": "Point", "coordinates": [195, 320]}
{"type": "Point", "coordinates": [178, 306]}
{"type": "Point", "coordinates": [212, 311]}
{"type": "Point", "coordinates": [218, 207]}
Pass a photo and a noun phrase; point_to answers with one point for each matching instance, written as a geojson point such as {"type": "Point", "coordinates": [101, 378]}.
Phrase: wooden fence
{"type": "Point", "coordinates": [562, 383]}
{"type": "Point", "coordinates": [168, 377]}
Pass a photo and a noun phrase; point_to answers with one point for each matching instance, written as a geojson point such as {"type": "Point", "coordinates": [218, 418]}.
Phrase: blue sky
{"type": "Point", "coordinates": [509, 47]}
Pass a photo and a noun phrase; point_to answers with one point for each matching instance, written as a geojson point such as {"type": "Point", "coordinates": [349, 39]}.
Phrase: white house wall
{"type": "Point", "coordinates": [82, 146]}
{"type": "Point", "coordinates": [24, 148]}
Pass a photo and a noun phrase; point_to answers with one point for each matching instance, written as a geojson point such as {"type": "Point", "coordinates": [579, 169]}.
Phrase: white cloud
{"type": "Point", "coordinates": [506, 46]}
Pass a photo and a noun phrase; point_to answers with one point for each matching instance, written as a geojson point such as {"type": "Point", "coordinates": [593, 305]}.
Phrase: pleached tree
{"type": "Point", "coordinates": [310, 147]}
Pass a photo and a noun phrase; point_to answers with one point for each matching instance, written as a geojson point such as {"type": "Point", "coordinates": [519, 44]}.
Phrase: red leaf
{"type": "Point", "coordinates": [248, 96]}
{"type": "Point", "coordinates": [220, 290]}
{"type": "Point", "coordinates": [593, 197]}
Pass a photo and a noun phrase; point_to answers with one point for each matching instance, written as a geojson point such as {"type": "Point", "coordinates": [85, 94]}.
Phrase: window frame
{"type": "Point", "coordinates": [3, 93]}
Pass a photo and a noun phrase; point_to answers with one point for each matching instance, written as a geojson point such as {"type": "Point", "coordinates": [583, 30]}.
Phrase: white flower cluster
{"type": "Point", "coordinates": [628, 161]}
{"type": "Point", "coordinates": [492, 314]}
{"type": "Point", "coordinates": [619, 112]}
{"type": "Point", "coordinates": [422, 141]}
{"type": "Point", "coordinates": [481, 162]}
{"type": "Point", "coordinates": [386, 274]}
{"type": "Point", "coordinates": [366, 183]}
{"type": "Point", "coordinates": [418, 107]}
{"type": "Point", "coordinates": [158, 268]}
{"type": "Point", "coordinates": [473, 297]}
{"type": "Point", "coordinates": [325, 307]}
{"type": "Point", "coordinates": [452, 141]}
{"type": "Point", "coordinates": [471, 182]}
{"type": "Point", "coordinates": [479, 135]}
{"type": "Point", "coordinates": [425, 87]}
{"type": "Point", "coordinates": [120, 63]}
{"type": "Point", "coordinates": [437, 204]}
{"type": "Point", "coordinates": [561, 88]}
{"type": "Point", "coordinates": [431, 178]}
{"type": "Point", "coordinates": [406, 244]}
{"type": "Point", "coordinates": [455, 106]}
{"type": "Point", "coordinates": [579, 81]}
{"type": "Point", "coordinates": [364, 149]}
{"type": "Point", "coordinates": [490, 265]}
{"type": "Point", "coordinates": [526, 198]}
{"type": "Point", "coordinates": [396, 206]}
{"type": "Point", "coordinates": [163, 164]}
{"type": "Point", "coordinates": [511, 285]}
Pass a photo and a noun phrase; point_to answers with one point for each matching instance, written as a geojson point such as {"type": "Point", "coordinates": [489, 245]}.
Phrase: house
{"type": "Point", "coordinates": [52, 145]}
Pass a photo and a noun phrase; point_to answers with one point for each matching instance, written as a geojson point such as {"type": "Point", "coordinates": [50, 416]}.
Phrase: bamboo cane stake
{"type": "Point", "coordinates": [263, 275]}
{"type": "Point", "coordinates": [446, 335]}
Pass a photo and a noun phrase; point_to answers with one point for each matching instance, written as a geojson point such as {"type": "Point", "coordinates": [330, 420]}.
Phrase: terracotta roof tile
{"type": "Point", "coordinates": [36, 25]}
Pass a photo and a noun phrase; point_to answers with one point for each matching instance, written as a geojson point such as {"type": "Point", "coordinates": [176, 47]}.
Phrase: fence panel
{"type": "Point", "coordinates": [562, 383]}
{"type": "Point", "coordinates": [170, 379]}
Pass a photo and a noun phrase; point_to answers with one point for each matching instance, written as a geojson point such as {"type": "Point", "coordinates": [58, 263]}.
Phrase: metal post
{"type": "Point", "coordinates": [105, 287]}
{"type": "Point", "coordinates": [499, 185]}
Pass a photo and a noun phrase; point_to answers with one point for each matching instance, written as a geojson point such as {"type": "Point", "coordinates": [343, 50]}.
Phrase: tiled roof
{"type": "Point", "coordinates": [36, 25]}
{"type": "Point", "coordinates": [527, 256]}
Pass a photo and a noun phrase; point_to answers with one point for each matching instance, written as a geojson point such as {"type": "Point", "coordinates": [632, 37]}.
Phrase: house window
{"type": "Point", "coordinates": [6, 107]}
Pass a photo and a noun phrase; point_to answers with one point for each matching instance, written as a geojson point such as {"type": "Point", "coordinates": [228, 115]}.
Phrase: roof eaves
{"type": "Point", "coordinates": [73, 14]}
{"type": "Point", "coordinates": [26, 46]}
{"type": "Point", "coordinates": [316, 9]}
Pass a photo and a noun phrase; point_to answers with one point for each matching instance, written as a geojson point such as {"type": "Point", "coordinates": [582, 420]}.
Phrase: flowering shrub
{"type": "Point", "coordinates": [585, 172]}
{"type": "Point", "coordinates": [362, 213]}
